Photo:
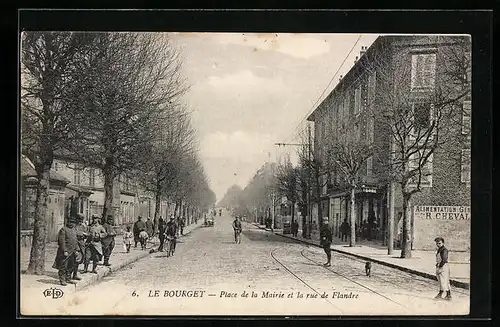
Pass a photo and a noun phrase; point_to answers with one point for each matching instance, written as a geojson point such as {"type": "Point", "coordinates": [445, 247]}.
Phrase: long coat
{"type": "Point", "coordinates": [149, 227]}
{"type": "Point", "coordinates": [97, 232]}
{"type": "Point", "coordinates": [67, 242]}
{"type": "Point", "coordinates": [138, 226]}
{"type": "Point", "coordinates": [110, 235]}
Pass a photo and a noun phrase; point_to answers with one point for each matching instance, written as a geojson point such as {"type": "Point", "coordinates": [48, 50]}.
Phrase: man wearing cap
{"type": "Point", "coordinates": [172, 230]}
{"type": "Point", "coordinates": [93, 250]}
{"type": "Point", "coordinates": [325, 235]}
{"type": "Point", "coordinates": [65, 257]}
{"type": "Point", "coordinates": [81, 234]}
{"type": "Point", "coordinates": [108, 242]}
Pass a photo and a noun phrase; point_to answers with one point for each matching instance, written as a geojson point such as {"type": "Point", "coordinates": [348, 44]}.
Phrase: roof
{"type": "Point", "coordinates": [27, 170]}
{"type": "Point", "coordinates": [79, 189]}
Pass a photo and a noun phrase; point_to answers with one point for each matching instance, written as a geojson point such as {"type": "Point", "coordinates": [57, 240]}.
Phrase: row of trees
{"type": "Point", "coordinates": [111, 101]}
{"type": "Point", "coordinates": [410, 125]}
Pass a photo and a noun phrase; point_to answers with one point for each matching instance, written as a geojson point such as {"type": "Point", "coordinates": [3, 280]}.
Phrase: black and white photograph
{"type": "Point", "coordinates": [244, 173]}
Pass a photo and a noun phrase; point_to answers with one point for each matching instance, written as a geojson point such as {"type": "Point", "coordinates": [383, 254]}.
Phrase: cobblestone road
{"type": "Point", "coordinates": [273, 268]}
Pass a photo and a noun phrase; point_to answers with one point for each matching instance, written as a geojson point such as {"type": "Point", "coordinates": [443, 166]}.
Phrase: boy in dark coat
{"type": "Point", "coordinates": [65, 258]}
{"type": "Point", "coordinates": [325, 235]}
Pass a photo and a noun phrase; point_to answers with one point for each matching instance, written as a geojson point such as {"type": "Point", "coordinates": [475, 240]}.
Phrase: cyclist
{"type": "Point", "coordinates": [171, 233]}
{"type": "Point", "coordinates": [237, 230]}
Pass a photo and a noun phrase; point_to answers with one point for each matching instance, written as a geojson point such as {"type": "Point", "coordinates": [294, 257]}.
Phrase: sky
{"type": "Point", "coordinates": [249, 91]}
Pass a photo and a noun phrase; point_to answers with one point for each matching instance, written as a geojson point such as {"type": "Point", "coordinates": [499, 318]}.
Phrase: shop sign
{"type": "Point", "coordinates": [442, 212]}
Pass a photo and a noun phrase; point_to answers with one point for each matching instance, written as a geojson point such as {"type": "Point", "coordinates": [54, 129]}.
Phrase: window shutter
{"type": "Point", "coordinates": [465, 166]}
{"type": "Point", "coordinates": [466, 117]}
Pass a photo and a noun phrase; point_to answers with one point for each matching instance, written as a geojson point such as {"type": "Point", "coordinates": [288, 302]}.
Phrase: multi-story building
{"type": "Point", "coordinates": [442, 207]}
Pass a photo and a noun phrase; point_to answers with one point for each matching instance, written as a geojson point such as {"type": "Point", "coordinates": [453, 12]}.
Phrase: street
{"type": "Point", "coordinates": [209, 272]}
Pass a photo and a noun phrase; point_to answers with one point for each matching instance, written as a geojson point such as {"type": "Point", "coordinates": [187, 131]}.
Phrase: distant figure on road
{"type": "Point", "coordinates": [220, 212]}
{"type": "Point", "coordinates": [138, 226]}
{"type": "Point", "coordinates": [149, 227]}
{"type": "Point", "coordinates": [344, 230]}
{"type": "Point", "coordinates": [65, 258]}
{"type": "Point", "coordinates": [182, 223]}
{"type": "Point", "coordinates": [172, 231]}
{"type": "Point", "coordinates": [325, 235]}
{"type": "Point", "coordinates": [237, 230]}
{"type": "Point", "coordinates": [295, 228]}
{"type": "Point", "coordinates": [442, 269]}
{"type": "Point", "coordinates": [161, 233]}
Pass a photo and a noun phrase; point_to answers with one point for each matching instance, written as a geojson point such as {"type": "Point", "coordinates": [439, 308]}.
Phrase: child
{"type": "Point", "coordinates": [127, 239]}
{"type": "Point", "coordinates": [143, 238]}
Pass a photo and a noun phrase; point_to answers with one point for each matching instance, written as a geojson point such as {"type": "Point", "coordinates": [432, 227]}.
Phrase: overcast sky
{"type": "Point", "coordinates": [249, 91]}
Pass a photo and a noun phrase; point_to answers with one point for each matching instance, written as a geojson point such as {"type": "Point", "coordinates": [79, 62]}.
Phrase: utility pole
{"type": "Point", "coordinates": [390, 248]}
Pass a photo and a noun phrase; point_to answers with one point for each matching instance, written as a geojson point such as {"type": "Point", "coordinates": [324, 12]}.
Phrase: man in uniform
{"type": "Point", "coordinates": [65, 258]}
{"type": "Point", "coordinates": [149, 227]}
{"type": "Point", "coordinates": [93, 250]}
{"type": "Point", "coordinates": [108, 242]}
{"type": "Point", "coordinates": [81, 234]}
{"type": "Point", "coordinates": [172, 230]}
{"type": "Point", "coordinates": [325, 235]}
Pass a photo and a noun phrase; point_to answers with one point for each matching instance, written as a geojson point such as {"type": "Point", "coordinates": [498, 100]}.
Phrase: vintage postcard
{"type": "Point", "coordinates": [206, 174]}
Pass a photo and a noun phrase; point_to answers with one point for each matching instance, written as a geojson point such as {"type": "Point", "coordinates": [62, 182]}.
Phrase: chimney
{"type": "Point", "coordinates": [363, 51]}
{"type": "Point", "coordinates": [356, 60]}
{"type": "Point", "coordinates": [340, 78]}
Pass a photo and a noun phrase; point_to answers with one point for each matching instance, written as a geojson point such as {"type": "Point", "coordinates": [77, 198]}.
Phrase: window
{"type": "Point", "coordinates": [92, 177]}
{"type": "Point", "coordinates": [466, 117]}
{"type": "Point", "coordinates": [424, 171]}
{"type": "Point", "coordinates": [370, 130]}
{"type": "Point", "coordinates": [371, 87]}
{"type": "Point", "coordinates": [423, 115]}
{"type": "Point", "coordinates": [423, 70]}
{"type": "Point", "coordinates": [357, 101]}
{"type": "Point", "coordinates": [369, 166]}
{"type": "Point", "coordinates": [465, 166]}
{"type": "Point", "coordinates": [76, 176]}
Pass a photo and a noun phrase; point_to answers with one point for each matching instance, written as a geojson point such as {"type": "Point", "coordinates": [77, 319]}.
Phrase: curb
{"type": "Point", "coordinates": [96, 278]}
{"type": "Point", "coordinates": [453, 282]}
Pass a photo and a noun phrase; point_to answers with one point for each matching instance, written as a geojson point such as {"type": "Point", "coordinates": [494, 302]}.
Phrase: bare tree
{"type": "Point", "coordinates": [49, 65]}
{"type": "Point", "coordinates": [287, 183]}
{"type": "Point", "coordinates": [417, 96]}
{"type": "Point", "coordinates": [130, 81]}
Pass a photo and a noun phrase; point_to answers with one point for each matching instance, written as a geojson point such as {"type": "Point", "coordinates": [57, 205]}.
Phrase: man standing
{"type": "Point", "coordinates": [149, 227]}
{"type": "Point", "coordinates": [172, 232]}
{"type": "Point", "coordinates": [81, 235]}
{"type": "Point", "coordinates": [93, 251]}
{"type": "Point", "coordinates": [325, 235]}
{"type": "Point", "coordinates": [237, 230]}
{"type": "Point", "coordinates": [161, 233]}
{"type": "Point", "coordinates": [344, 230]}
{"type": "Point", "coordinates": [442, 269]}
{"type": "Point", "coordinates": [108, 242]}
{"type": "Point", "coordinates": [138, 226]}
{"type": "Point", "coordinates": [65, 258]}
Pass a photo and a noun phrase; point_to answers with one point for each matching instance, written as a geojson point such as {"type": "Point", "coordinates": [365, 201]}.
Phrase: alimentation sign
{"type": "Point", "coordinates": [442, 212]}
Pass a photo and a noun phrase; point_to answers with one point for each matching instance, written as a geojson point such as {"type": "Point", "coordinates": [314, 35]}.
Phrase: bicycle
{"type": "Point", "coordinates": [171, 242]}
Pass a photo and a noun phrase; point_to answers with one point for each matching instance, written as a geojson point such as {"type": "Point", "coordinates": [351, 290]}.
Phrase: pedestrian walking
{"type": "Point", "coordinates": [108, 242]}
{"type": "Point", "coordinates": [149, 227]}
{"type": "Point", "coordinates": [344, 230]}
{"type": "Point", "coordinates": [138, 226]}
{"type": "Point", "coordinates": [182, 224]}
{"type": "Point", "coordinates": [171, 231]}
{"type": "Point", "coordinates": [161, 233]}
{"type": "Point", "coordinates": [237, 229]}
{"type": "Point", "coordinates": [325, 235]}
{"type": "Point", "coordinates": [442, 269]}
{"type": "Point", "coordinates": [93, 249]}
{"type": "Point", "coordinates": [65, 258]}
{"type": "Point", "coordinates": [81, 235]}
{"type": "Point", "coordinates": [127, 239]}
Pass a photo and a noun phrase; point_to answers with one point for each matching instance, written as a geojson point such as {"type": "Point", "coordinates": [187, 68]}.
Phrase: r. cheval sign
{"type": "Point", "coordinates": [442, 212]}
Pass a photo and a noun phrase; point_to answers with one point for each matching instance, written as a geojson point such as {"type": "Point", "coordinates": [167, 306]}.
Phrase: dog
{"type": "Point", "coordinates": [368, 269]}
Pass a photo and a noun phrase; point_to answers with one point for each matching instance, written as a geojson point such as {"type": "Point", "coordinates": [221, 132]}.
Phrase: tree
{"type": "Point", "coordinates": [286, 179]}
{"type": "Point", "coordinates": [417, 97]}
{"type": "Point", "coordinates": [130, 81]}
{"type": "Point", "coordinates": [49, 65]}
{"type": "Point", "coordinates": [347, 153]}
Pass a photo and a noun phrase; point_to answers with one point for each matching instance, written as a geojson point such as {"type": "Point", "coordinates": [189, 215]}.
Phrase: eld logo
{"type": "Point", "coordinates": [55, 293]}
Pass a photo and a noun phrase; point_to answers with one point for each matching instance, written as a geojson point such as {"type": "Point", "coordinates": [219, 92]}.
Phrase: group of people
{"type": "Point", "coordinates": [145, 230]}
{"type": "Point", "coordinates": [79, 244]}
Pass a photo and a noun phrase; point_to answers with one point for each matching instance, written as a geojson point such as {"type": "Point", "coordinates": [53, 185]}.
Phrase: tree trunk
{"type": "Point", "coordinates": [390, 225]}
{"type": "Point", "coordinates": [37, 255]}
{"type": "Point", "coordinates": [176, 207]}
{"type": "Point", "coordinates": [406, 244]}
{"type": "Point", "coordinates": [108, 191]}
{"type": "Point", "coordinates": [157, 209]}
{"type": "Point", "coordinates": [353, 218]}
{"type": "Point", "coordinates": [293, 212]}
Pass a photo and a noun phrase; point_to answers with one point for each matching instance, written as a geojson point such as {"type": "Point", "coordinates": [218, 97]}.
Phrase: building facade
{"type": "Point", "coordinates": [442, 207]}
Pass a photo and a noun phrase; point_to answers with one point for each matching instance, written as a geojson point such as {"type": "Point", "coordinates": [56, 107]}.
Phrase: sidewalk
{"type": "Point", "coordinates": [422, 263]}
{"type": "Point", "coordinates": [119, 259]}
